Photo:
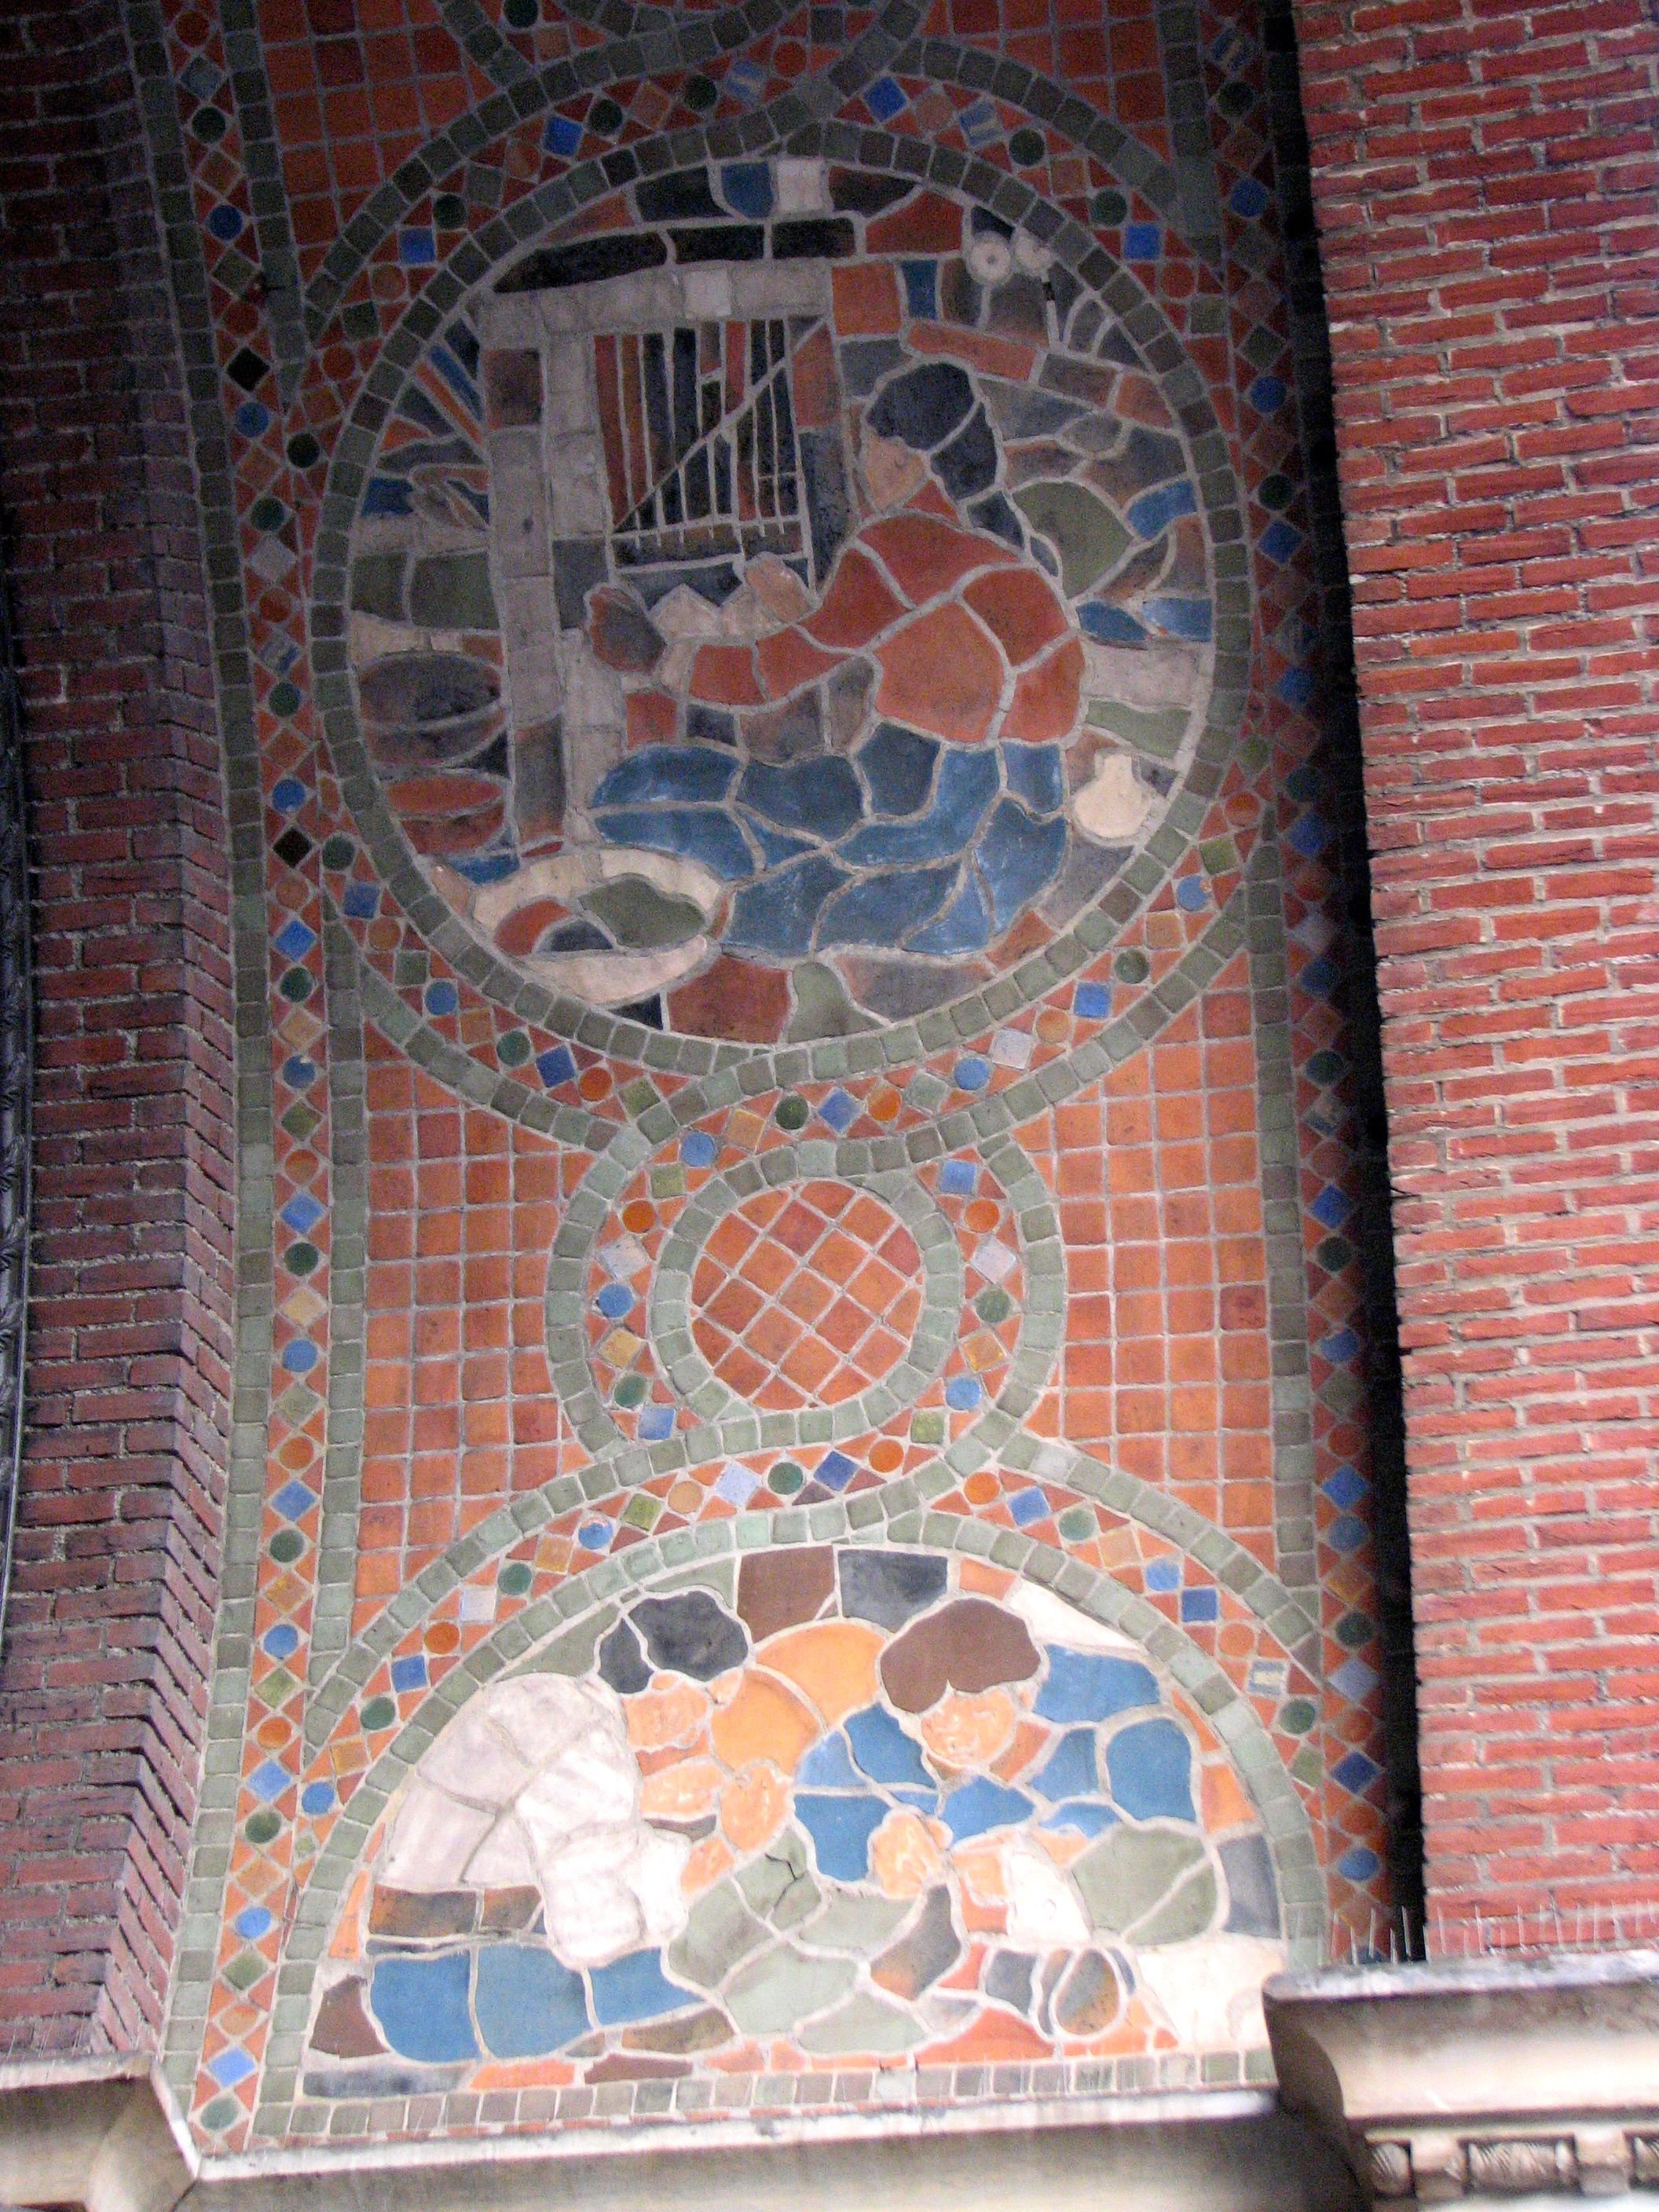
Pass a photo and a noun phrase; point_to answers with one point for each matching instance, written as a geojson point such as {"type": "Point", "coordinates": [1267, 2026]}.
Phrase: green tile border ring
{"type": "Point", "coordinates": [901, 1192]}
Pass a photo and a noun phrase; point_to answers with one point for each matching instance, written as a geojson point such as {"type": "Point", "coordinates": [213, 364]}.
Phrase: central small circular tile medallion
{"type": "Point", "coordinates": [805, 1295]}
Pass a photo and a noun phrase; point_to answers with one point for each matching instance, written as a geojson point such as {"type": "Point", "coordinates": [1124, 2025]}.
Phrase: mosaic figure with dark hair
{"type": "Point", "coordinates": [878, 771]}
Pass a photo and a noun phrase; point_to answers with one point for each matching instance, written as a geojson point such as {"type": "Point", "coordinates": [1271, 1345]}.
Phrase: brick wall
{"type": "Point", "coordinates": [101, 1696]}
{"type": "Point", "coordinates": [1484, 176]}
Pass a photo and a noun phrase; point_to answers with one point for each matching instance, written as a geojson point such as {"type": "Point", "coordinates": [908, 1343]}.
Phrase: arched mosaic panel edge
{"type": "Point", "coordinates": [1154, 815]}
{"type": "Point", "coordinates": [828, 1913]}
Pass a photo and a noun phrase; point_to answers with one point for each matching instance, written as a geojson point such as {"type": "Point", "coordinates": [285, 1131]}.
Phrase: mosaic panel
{"type": "Point", "coordinates": [859, 1802]}
{"type": "Point", "coordinates": [785, 614]}
{"type": "Point", "coordinates": [799, 1522]}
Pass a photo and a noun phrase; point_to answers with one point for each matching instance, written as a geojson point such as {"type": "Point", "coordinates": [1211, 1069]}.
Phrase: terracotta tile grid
{"type": "Point", "coordinates": [459, 1412]}
{"type": "Point", "coordinates": [781, 1331]}
{"type": "Point", "coordinates": [1115, 64]}
{"type": "Point", "coordinates": [350, 106]}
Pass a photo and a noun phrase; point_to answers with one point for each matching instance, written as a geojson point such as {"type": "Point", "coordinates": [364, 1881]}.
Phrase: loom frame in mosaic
{"type": "Point", "coordinates": [1124, 302]}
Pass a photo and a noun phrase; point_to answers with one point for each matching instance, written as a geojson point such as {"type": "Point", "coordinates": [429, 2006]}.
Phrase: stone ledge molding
{"type": "Point", "coordinates": [104, 2136]}
{"type": "Point", "coordinates": [101, 2135]}
{"type": "Point", "coordinates": [1524, 2081]}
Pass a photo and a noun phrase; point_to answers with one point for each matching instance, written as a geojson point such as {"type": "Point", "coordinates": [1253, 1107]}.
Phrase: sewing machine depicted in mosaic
{"type": "Point", "coordinates": [798, 1530]}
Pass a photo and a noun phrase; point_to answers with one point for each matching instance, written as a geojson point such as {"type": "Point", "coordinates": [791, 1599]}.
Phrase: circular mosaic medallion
{"type": "Point", "coordinates": [786, 624]}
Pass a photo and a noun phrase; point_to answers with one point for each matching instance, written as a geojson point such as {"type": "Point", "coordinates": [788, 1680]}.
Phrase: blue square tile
{"type": "Point", "coordinates": [1354, 1678]}
{"type": "Point", "coordinates": [1295, 687]}
{"type": "Point", "coordinates": [1309, 833]}
{"type": "Point", "coordinates": [362, 901]}
{"type": "Point", "coordinates": [1339, 1347]}
{"type": "Point", "coordinates": [417, 247]}
{"type": "Point", "coordinates": [269, 1780]}
{"type": "Point", "coordinates": [1142, 241]}
{"type": "Point", "coordinates": [1346, 1534]}
{"type": "Point", "coordinates": [958, 1178]}
{"type": "Point", "coordinates": [1204, 1604]}
{"type": "Point", "coordinates": [656, 1422]}
{"type": "Point", "coordinates": [1345, 1488]}
{"type": "Point", "coordinates": [979, 122]}
{"type": "Point", "coordinates": [839, 1111]}
{"type": "Point", "coordinates": [408, 1672]}
{"type": "Point", "coordinates": [303, 1212]}
{"type": "Point", "coordinates": [561, 135]}
{"type": "Point", "coordinates": [736, 1485]}
{"type": "Point", "coordinates": [1356, 1772]}
{"type": "Point", "coordinates": [293, 941]}
{"type": "Point", "coordinates": [294, 1500]}
{"type": "Point", "coordinates": [231, 2067]}
{"type": "Point", "coordinates": [834, 1470]}
{"type": "Point", "coordinates": [555, 1065]}
{"type": "Point", "coordinates": [1093, 1001]}
{"type": "Point", "coordinates": [884, 99]}
{"type": "Point", "coordinates": [1027, 1506]}
{"type": "Point", "coordinates": [1331, 1207]}
{"type": "Point", "coordinates": [1280, 540]}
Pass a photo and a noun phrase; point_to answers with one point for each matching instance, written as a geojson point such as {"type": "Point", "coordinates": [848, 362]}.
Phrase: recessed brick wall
{"type": "Point", "coordinates": [102, 1697]}
{"type": "Point", "coordinates": [1484, 182]}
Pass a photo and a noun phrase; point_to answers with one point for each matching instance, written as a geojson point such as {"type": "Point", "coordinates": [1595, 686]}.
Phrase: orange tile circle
{"type": "Point", "coordinates": [805, 1295]}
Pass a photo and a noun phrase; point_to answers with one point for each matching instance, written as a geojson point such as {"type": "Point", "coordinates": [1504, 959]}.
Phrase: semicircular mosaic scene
{"type": "Point", "coordinates": [800, 1500]}
{"type": "Point", "coordinates": [867, 1802]}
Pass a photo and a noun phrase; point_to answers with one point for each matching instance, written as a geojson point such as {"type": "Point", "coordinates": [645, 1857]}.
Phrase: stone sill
{"type": "Point", "coordinates": [101, 2144]}
{"type": "Point", "coordinates": [1530, 2081]}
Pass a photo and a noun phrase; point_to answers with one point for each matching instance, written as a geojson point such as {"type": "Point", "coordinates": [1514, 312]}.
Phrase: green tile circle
{"type": "Point", "coordinates": [939, 1318]}
{"type": "Point", "coordinates": [1119, 296]}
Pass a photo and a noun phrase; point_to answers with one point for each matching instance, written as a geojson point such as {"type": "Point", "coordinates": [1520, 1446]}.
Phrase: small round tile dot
{"type": "Point", "coordinates": [379, 1713]}
{"type": "Point", "coordinates": [792, 1112]}
{"type": "Point", "coordinates": [515, 1578]}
